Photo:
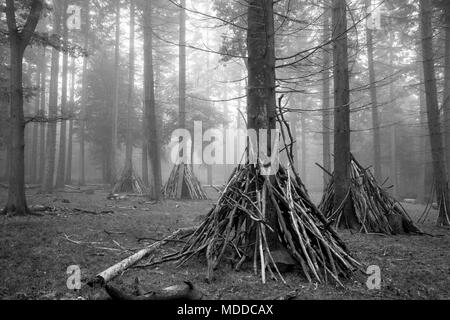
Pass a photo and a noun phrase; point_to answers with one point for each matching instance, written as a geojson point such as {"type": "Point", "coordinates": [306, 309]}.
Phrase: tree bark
{"type": "Point", "coordinates": [35, 127]}
{"type": "Point", "coordinates": [18, 41]}
{"type": "Point", "coordinates": [425, 173]}
{"type": "Point", "coordinates": [434, 125]}
{"type": "Point", "coordinates": [182, 67]}
{"type": "Point", "coordinates": [393, 155]}
{"type": "Point", "coordinates": [42, 126]}
{"type": "Point", "coordinates": [261, 104]}
{"type": "Point", "coordinates": [304, 149]}
{"type": "Point", "coordinates": [84, 84]}
{"type": "Point", "coordinates": [342, 156]}
{"type": "Point", "coordinates": [326, 113]}
{"type": "Point", "coordinates": [129, 143]}
{"type": "Point", "coordinates": [446, 102]}
{"type": "Point", "coordinates": [150, 106]}
{"type": "Point", "coordinates": [50, 150]}
{"type": "Point", "coordinates": [71, 112]}
{"type": "Point", "coordinates": [61, 172]}
{"type": "Point", "coordinates": [115, 111]}
{"type": "Point", "coordinates": [374, 100]}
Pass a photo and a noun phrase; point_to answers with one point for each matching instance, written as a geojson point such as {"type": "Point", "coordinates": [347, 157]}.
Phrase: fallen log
{"type": "Point", "coordinates": [183, 292]}
{"type": "Point", "coordinates": [104, 277]}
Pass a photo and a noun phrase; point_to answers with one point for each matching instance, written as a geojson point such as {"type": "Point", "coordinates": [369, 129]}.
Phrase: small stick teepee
{"type": "Point", "coordinates": [183, 184]}
{"type": "Point", "coordinates": [130, 182]}
{"type": "Point", "coordinates": [375, 210]}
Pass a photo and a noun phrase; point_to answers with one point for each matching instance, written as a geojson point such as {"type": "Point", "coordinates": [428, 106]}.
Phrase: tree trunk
{"type": "Point", "coordinates": [342, 114]}
{"type": "Point", "coordinates": [43, 112]}
{"type": "Point", "coordinates": [261, 104]}
{"type": "Point", "coordinates": [71, 112]}
{"type": "Point", "coordinates": [304, 149]}
{"type": "Point", "coordinates": [374, 100]}
{"type": "Point", "coordinates": [182, 67]}
{"type": "Point", "coordinates": [326, 113]}
{"type": "Point", "coordinates": [115, 111]}
{"type": "Point", "coordinates": [16, 196]}
{"type": "Point", "coordinates": [393, 169]}
{"type": "Point", "coordinates": [425, 173]}
{"type": "Point", "coordinates": [61, 172]}
{"type": "Point", "coordinates": [150, 106]}
{"type": "Point", "coordinates": [129, 143]}
{"type": "Point", "coordinates": [84, 84]}
{"type": "Point", "coordinates": [434, 125]}
{"type": "Point", "coordinates": [50, 150]}
{"type": "Point", "coordinates": [17, 203]}
{"type": "Point", "coordinates": [446, 102]}
{"type": "Point", "coordinates": [145, 155]}
{"type": "Point", "coordinates": [35, 128]}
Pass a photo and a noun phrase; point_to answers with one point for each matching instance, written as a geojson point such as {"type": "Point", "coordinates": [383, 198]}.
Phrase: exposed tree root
{"type": "Point", "coordinates": [12, 211]}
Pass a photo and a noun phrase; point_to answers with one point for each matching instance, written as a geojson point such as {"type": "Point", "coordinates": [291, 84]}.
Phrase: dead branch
{"type": "Point", "coordinates": [112, 272]}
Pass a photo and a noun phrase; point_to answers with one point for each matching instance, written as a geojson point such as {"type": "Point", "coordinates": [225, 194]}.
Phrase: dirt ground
{"type": "Point", "coordinates": [35, 253]}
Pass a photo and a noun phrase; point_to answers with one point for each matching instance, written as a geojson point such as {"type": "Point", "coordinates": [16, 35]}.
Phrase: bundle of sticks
{"type": "Point", "coordinates": [375, 210]}
{"type": "Point", "coordinates": [129, 182]}
{"type": "Point", "coordinates": [238, 226]}
{"type": "Point", "coordinates": [183, 184]}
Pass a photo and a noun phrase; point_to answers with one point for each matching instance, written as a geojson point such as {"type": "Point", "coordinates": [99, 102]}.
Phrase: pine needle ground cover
{"type": "Point", "coordinates": [34, 254]}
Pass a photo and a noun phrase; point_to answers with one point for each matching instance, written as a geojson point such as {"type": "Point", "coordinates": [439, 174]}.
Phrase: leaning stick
{"type": "Point", "coordinates": [104, 277]}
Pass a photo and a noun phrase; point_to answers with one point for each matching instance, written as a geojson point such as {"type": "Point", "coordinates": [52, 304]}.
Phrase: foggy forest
{"type": "Point", "coordinates": [224, 150]}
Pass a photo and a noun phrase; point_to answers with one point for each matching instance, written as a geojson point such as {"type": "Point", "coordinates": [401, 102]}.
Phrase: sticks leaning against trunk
{"type": "Point", "coordinates": [237, 225]}
{"type": "Point", "coordinates": [375, 210]}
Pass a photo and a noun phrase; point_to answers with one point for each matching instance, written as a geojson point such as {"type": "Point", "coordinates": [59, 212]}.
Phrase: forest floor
{"type": "Point", "coordinates": [35, 253]}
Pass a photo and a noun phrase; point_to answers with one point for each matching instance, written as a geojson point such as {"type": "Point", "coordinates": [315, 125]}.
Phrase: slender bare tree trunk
{"type": "Point", "coordinates": [182, 67]}
{"type": "Point", "coordinates": [115, 111]}
{"type": "Point", "coordinates": [425, 174]}
{"type": "Point", "coordinates": [393, 133]}
{"type": "Point", "coordinates": [145, 149]}
{"type": "Point", "coordinates": [434, 125]}
{"type": "Point", "coordinates": [326, 113]}
{"type": "Point", "coordinates": [50, 149]}
{"type": "Point", "coordinates": [342, 114]}
{"type": "Point", "coordinates": [71, 112]}
{"type": "Point", "coordinates": [129, 143]}
{"type": "Point", "coordinates": [374, 100]}
{"type": "Point", "coordinates": [61, 172]}
{"type": "Point", "coordinates": [35, 128]}
{"type": "Point", "coordinates": [42, 112]}
{"type": "Point", "coordinates": [84, 84]}
{"type": "Point", "coordinates": [304, 149]}
{"type": "Point", "coordinates": [150, 106]}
